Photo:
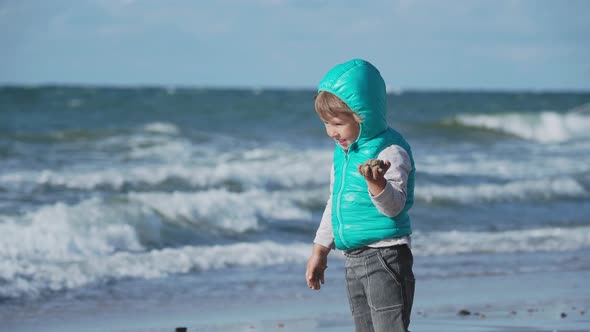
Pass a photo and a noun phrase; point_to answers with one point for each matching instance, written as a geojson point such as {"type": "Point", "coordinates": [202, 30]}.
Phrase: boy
{"type": "Point", "coordinates": [367, 213]}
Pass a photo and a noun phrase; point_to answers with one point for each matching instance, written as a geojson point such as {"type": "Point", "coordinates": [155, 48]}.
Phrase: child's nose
{"type": "Point", "coordinates": [331, 132]}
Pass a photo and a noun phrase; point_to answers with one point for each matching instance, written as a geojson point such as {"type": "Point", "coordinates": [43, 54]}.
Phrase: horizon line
{"type": "Point", "coordinates": [180, 86]}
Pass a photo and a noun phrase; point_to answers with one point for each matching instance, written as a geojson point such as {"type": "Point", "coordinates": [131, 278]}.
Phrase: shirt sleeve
{"type": "Point", "coordinates": [392, 199]}
{"type": "Point", "coordinates": [325, 234]}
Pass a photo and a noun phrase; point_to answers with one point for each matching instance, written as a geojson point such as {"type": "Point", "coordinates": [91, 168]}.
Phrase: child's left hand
{"type": "Point", "coordinates": [373, 170]}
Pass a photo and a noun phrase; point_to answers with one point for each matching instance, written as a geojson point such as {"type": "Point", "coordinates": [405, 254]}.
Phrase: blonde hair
{"type": "Point", "coordinates": [327, 105]}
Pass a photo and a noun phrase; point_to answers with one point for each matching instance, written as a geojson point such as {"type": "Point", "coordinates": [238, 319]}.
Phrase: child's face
{"type": "Point", "coordinates": [343, 129]}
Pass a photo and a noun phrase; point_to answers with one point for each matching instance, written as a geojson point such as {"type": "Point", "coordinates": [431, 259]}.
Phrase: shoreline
{"type": "Point", "coordinates": [523, 302]}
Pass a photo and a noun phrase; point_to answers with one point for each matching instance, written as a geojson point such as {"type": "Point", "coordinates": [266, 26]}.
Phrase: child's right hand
{"type": "Point", "coordinates": [316, 265]}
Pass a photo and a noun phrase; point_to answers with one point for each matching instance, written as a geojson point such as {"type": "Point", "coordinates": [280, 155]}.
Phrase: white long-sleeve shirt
{"type": "Point", "coordinates": [390, 201]}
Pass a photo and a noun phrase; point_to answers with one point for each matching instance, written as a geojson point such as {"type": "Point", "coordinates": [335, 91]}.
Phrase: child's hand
{"type": "Point", "coordinates": [373, 170]}
{"type": "Point", "coordinates": [316, 265]}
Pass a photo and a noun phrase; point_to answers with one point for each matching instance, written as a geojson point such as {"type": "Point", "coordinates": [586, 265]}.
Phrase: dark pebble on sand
{"type": "Point", "coordinates": [464, 312]}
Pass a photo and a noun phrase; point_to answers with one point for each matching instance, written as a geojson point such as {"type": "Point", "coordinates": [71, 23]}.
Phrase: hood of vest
{"type": "Point", "coordinates": [360, 85]}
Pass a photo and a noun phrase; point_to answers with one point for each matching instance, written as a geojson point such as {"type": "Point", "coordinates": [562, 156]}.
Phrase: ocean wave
{"type": "Point", "coordinates": [162, 128]}
{"type": "Point", "coordinates": [233, 212]}
{"type": "Point", "coordinates": [142, 147]}
{"type": "Point", "coordinates": [541, 189]}
{"type": "Point", "coordinates": [482, 163]}
{"type": "Point", "coordinates": [544, 127]}
{"type": "Point", "coordinates": [21, 279]}
{"type": "Point", "coordinates": [584, 108]}
{"type": "Point", "coordinates": [527, 240]}
{"type": "Point", "coordinates": [70, 135]}
{"type": "Point", "coordinates": [62, 232]}
{"type": "Point", "coordinates": [64, 246]}
{"type": "Point", "coordinates": [155, 140]}
{"type": "Point", "coordinates": [99, 136]}
{"type": "Point", "coordinates": [98, 227]}
{"type": "Point", "coordinates": [254, 168]}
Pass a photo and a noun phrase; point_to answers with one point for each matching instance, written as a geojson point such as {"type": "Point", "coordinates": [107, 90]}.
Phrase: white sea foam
{"type": "Point", "coordinates": [154, 140]}
{"type": "Point", "coordinates": [547, 164]}
{"type": "Point", "coordinates": [24, 276]}
{"type": "Point", "coordinates": [75, 103]}
{"type": "Point", "coordinates": [521, 190]}
{"type": "Point", "coordinates": [31, 278]}
{"type": "Point", "coordinates": [528, 240]}
{"type": "Point", "coordinates": [63, 246]}
{"type": "Point", "coordinates": [235, 212]}
{"type": "Point", "coordinates": [545, 127]}
{"type": "Point", "coordinates": [255, 169]}
{"type": "Point", "coordinates": [161, 148]}
{"type": "Point", "coordinates": [95, 227]}
{"type": "Point", "coordinates": [63, 232]}
{"type": "Point", "coordinates": [162, 128]}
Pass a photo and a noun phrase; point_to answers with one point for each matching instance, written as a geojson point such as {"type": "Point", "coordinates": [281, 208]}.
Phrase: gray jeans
{"type": "Point", "coordinates": [380, 284]}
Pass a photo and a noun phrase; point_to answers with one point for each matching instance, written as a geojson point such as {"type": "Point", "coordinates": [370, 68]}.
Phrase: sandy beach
{"type": "Point", "coordinates": [525, 302]}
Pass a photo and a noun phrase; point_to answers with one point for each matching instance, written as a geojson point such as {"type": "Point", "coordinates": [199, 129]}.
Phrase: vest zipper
{"type": "Point", "coordinates": [339, 199]}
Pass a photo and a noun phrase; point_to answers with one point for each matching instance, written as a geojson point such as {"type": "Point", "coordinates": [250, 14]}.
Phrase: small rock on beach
{"type": "Point", "coordinates": [464, 312]}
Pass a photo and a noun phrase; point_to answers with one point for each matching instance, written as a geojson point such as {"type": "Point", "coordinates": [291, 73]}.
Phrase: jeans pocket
{"type": "Point", "coordinates": [385, 289]}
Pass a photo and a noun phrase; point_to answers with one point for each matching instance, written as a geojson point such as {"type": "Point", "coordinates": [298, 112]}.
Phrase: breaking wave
{"type": "Point", "coordinates": [542, 189]}
{"type": "Point", "coordinates": [544, 127]}
{"type": "Point", "coordinates": [23, 275]}
{"type": "Point", "coordinates": [528, 240]}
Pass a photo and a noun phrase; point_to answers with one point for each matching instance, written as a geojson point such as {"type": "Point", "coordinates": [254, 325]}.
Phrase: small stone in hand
{"type": "Point", "coordinates": [371, 167]}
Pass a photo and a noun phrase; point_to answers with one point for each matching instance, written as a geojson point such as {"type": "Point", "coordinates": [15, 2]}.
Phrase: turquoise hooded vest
{"type": "Point", "coordinates": [355, 219]}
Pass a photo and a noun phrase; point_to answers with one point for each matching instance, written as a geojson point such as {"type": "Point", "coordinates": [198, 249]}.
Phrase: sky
{"type": "Point", "coordinates": [459, 44]}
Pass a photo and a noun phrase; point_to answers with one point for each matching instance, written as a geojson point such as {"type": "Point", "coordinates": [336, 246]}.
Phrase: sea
{"type": "Point", "coordinates": [139, 197]}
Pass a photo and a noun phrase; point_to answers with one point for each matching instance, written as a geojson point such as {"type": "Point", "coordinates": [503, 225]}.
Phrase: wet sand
{"type": "Point", "coordinates": [505, 303]}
